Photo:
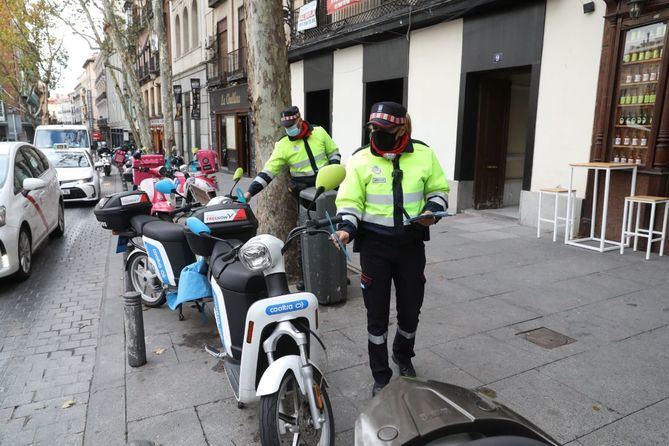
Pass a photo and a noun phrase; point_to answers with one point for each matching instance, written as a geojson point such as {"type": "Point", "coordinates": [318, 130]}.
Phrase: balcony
{"type": "Point", "coordinates": [365, 18]}
{"type": "Point", "coordinates": [227, 69]}
{"type": "Point", "coordinates": [101, 98]}
{"type": "Point", "coordinates": [154, 64]}
{"type": "Point", "coordinates": [102, 122]}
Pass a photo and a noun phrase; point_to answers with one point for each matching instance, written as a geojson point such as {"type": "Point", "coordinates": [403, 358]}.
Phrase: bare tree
{"type": "Point", "coordinates": [165, 74]}
{"type": "Point", "coordinates": [269, 88]}
{"type": "Point", "coordinates": [118, 37]}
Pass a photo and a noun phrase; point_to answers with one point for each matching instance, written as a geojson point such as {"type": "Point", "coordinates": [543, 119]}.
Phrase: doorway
{"type": "Point", "coordinates": [501, 138]}
{"type": "Point", "coordinates": [242, 138]}
{"type": "Point", "coordinates": [318, 110]}
{"type": "Point", "coordinates": [380, 91]}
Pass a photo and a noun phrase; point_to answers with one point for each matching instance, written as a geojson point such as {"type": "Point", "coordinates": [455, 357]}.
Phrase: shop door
{"type": "Point", "coordinates": [243, 146]}
{"type": "Point", "coordinates": [380, 91]}
{"type": "Point", "coordinates": [491, 142]}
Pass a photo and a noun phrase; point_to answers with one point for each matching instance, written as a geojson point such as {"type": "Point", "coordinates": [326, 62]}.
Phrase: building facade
{"type": "Point", "coordinates": [119, 129]}
{"type": "Point", "coordinates": [488, 85]}
{"type": "Point", "coordinates": [88, 95]}
{"type": "Point", "coordinates": [188, 48]}
{"type": "Point", "coordinates": [230, 120]}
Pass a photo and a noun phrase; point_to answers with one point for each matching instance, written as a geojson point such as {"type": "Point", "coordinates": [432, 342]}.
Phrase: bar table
{"type": "Point", "coordinates": [586, 242]}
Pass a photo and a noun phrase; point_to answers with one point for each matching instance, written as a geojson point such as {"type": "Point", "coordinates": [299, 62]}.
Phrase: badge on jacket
{"type": "Point", "coordinates": [379, 180]}
{"type": "Point", "coordinates": [296, 149]}
{"type": "Point", "coordinates": [376, 170]}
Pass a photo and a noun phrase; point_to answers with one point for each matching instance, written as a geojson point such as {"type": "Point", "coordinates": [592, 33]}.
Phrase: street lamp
{"type": "Point", "coordinates": [195, 83]}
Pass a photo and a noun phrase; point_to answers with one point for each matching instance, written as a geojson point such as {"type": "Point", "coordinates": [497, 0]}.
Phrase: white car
{"type": "Point", "coordinates": [31, 206]}
{"type": "Point", "coordinates": [63, 136]}
{"type": "Point", "coordinates": [79, 180]}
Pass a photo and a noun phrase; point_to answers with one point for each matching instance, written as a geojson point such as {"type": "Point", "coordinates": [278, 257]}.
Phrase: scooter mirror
{"type": "Point", "coordinates": [238, 174]}
{"type": "Point", "coordinates": [329, 177]}
{"type": "Point", "coordinates": [183, 168]}
{"type": "Point", "coordinates": [197, 226]}
{"type": "Point", "coordinates": [165, 186]}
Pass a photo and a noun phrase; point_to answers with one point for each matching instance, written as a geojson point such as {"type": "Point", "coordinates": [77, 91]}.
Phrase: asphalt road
{"type": "Point", "coordinates": [48, 334]}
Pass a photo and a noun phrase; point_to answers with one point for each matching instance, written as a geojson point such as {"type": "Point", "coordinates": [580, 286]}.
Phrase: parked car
{"type": "Point", "coordinates": [31, 206]}
{"type": "Point", "coordinates": [79, 180]}
{"type": "Point", "coordinates": [62, 136]}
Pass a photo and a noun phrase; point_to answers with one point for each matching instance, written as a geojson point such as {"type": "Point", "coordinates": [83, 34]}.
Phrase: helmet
{"type": "Point", "coordinates": [137, 154]}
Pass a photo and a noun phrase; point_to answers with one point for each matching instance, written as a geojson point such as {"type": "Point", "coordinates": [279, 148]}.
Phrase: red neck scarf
{"type": "Point", "coordinates": [304, 133]}
{"type": "Point", "coordinates": [399, 147]}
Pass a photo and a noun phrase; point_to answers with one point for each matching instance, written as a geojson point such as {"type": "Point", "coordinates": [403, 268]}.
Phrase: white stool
{"type": "Point", "coordinates": [628, 212]}
{"type": "Point", "coordinates": [557, 192]}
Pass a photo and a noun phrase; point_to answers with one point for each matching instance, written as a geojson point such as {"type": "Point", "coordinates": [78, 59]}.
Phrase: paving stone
{"type": "Point", "coordinates": [646, 427]}
{"type": "Point", "coordinates": [225, 424]}
{"type": "Point", "coordinates": [620, 378]}
{"type": "Point", "coordinates": [556, 408]}
{"type": "Point", "coordinates": [176, 428]}
{"type": "Point", "coordinates": [346, 438]}
{"type": "Point", "coordinates": [154, 391]}
{"type": "Point", "coordinates": [486, 358]}
{"type": "Point", "coordinates": [106, 417]}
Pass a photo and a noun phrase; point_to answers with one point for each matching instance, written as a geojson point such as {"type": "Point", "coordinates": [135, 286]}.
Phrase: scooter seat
{"type": "Point", "coordinates": [233, 276]}
{"type": "Point", "coordinates": [164, 231]}
{"type": "Point", "coordinates": [138, 221]}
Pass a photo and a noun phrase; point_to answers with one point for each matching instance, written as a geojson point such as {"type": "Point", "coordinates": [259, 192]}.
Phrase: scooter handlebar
{"type": "Point", "coordinates": [324, 222]}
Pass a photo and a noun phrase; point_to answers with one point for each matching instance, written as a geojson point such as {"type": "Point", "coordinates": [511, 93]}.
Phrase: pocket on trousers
{"type": "Point", "coordinates": [365, 282]}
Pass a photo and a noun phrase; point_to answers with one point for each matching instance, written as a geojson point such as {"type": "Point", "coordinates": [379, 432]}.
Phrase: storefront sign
{"type": "Point", "coordinates": [228, 99]}
{"type": "Point", "coordinates": [195, 93]}
{"type": "Point", "coordinates": [307, 17]}
{"type": "Point", "coordinates": [336, 5]}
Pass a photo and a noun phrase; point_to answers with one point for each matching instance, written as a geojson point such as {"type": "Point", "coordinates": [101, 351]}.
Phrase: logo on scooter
{"type": "Point", "coordinates": [286, 307]}
{"type": "Point", "coordinates": [220, 215]}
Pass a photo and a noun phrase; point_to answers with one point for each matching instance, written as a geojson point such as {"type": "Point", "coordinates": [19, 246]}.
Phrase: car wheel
{"type": "Point", "coordinates": [60, 228]}
{"type": "Point", "coordinates": [25, 255]}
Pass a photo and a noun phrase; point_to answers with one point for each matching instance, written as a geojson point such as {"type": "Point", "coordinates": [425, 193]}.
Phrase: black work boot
{"type": "Point", "coordinates": [377, 388]}
{"type": "Point", "coordinates": [406, 369]}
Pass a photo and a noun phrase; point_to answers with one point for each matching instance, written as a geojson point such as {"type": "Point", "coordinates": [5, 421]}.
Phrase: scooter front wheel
{"type": "Point", "coordinates": [145, 280]}
{"type": "Point", "coordinates": [285, 418]}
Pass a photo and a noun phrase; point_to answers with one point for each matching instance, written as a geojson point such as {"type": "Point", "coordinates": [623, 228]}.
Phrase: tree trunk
{"type": "Point", "coordinates": [128, 65]}
{"type": "Point", "coordinates": [269, 89]}
{"type": "Point", "coordinates": [165, 75]}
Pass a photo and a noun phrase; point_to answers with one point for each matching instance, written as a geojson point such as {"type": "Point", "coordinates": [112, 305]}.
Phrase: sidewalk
{"type": "Point", "coordinates": [490, 281]}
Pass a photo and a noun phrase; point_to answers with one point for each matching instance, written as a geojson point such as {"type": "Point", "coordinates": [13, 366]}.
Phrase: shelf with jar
{"type": "Point", "coordinates": [638, 96]}
{"type": "Point", "coordinates": [639, 120]}
{"type": "Point", "coordinates": [640, 75]}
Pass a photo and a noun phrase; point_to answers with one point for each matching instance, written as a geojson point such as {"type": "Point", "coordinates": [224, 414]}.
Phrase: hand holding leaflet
{"type": "Point", "coordinates": [240, 195]}
{"type": "Point", "coordinates": [334, 233]}
{"type": "Point", "coordinates": [439, 214]}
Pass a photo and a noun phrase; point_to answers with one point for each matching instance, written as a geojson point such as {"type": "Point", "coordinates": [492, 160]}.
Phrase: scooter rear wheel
{"type": "Point", "coordinates": [288, 407]}
{"type": "Point", "coordinates": [144, 281]}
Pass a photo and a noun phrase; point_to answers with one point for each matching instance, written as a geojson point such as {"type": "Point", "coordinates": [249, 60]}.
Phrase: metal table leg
{"type": "Point", "coordinates": [605, 208]}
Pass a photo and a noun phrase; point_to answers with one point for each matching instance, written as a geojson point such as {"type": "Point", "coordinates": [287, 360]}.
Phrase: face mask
{"type": "Point", "coordinates": [383, 140]}
{"type": "Point", "coordinates": [293, 131]}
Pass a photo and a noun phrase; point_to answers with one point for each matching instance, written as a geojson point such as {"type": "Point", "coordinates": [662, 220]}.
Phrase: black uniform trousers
{"type": "Point", "coordinates": [384, 261]}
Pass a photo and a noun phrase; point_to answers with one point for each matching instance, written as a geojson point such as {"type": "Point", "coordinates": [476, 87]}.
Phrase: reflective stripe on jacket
{"type": "Point", "coordinates": [293, 154]}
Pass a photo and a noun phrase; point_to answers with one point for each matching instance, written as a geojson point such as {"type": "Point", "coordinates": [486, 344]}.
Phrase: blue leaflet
{"type": "Point", "coordinates": [240, 195]}
{"type": "Point", "coordinates": [333, 232]}
{"type": "Point", "coordinates": [439, 214]}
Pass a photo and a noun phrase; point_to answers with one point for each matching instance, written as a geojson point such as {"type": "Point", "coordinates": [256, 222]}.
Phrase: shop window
{"type": "Point", "coordinates": [636, 123]}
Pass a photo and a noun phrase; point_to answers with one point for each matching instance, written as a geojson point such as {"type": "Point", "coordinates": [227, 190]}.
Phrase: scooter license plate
{"type": "Point", "coordinates": [122, 244]}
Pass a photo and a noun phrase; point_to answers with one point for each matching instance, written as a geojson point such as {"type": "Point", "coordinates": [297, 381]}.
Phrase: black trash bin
{"type": "Point", "coordinates": [323, 266]}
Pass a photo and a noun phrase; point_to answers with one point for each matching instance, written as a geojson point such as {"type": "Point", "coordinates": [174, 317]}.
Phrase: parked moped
{"type": "Point", "coordinates": [411, 411]}
{"type": "Point", "coordinates": [269, 335]}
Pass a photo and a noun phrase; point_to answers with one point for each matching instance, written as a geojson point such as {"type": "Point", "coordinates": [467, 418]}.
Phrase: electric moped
{"type": "Point", "coordinates": [271, 348]}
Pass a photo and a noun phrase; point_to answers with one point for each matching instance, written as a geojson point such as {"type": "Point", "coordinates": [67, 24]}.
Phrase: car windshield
{"type": "Point", "coordinates": [4, 161]}
{"type": "Point", "coordinates": [77, 139]}
{"type": "Point", "coordinates": [68, 159]}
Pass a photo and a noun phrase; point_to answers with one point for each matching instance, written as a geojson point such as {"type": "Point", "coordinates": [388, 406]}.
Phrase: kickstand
{"type": "Point", "coordinates": [181, 312]}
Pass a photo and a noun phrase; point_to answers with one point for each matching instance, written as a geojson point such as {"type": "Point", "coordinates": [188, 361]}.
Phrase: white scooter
{"type": "Point", "coordinates": [269, 335]}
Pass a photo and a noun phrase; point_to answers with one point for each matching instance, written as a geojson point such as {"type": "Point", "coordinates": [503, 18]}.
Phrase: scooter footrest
{"type": "Point", "coordinates": [232, 370]}
{"type": "Point", "coordinates": [213, 351]}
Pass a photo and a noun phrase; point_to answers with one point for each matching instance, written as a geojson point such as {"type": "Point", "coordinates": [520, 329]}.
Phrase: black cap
{"type": "Point", "coordinates": [387, 114]}
{"type": "Point", "coordinates": [289, 116]}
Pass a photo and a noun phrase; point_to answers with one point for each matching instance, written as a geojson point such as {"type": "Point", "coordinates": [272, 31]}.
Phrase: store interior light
{"type": "Point", "coordinates": [635, 7]}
